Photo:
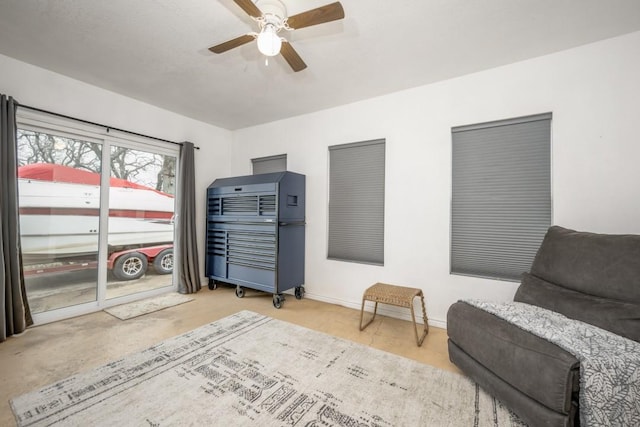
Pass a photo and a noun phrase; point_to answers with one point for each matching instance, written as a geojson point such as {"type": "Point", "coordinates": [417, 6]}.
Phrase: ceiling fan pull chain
{"type": "Point", "coordinates": [266, 61]}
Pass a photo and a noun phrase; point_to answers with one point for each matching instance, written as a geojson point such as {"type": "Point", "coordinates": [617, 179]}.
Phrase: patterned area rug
{"type": "Point", "coordinates": [148, 305]}
{"type": "Point", "coordinates": [250, 369]}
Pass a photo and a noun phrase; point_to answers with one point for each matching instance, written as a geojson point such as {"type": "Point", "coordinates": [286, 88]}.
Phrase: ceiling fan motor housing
{"type": "Point", "coordinates": [273, 12]}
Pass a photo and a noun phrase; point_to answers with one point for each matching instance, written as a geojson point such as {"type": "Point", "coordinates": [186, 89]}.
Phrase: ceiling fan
{"type": "Point", "coordinates": [271, 16]}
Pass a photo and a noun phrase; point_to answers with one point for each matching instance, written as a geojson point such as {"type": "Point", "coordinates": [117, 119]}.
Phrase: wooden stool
{"type": "Point", "coordinates": [399, 296]}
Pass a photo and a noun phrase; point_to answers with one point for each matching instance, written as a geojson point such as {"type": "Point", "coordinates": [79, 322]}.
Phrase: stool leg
{"type": "Point", "coordinates": [420, 340]}
{"type": "Point", "coordinates": [362, 314]}
{"type": "Point", "coordinates": [424, 314]}
{"type": "Point", "coordinates": [415, 327]}
{"type": "Point", "coordinates": [375, 309]}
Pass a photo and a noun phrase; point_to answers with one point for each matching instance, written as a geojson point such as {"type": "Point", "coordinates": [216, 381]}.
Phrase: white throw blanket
{"type": "Point", "coordinates": [609, 363]}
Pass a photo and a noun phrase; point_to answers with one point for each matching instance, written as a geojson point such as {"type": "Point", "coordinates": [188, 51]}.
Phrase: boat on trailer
{"type": "Point", "coordinates": [60, 209]}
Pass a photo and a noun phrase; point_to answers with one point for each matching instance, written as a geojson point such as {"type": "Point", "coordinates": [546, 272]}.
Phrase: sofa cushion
{"type": "Point", "coordinates": [528, 410]}
{"type": "Point", "coordinates": [539, 369]}
{"type": "Point", "coordinates": [622, 318]}
{"type": "Point", "coordinates": [602, 265]}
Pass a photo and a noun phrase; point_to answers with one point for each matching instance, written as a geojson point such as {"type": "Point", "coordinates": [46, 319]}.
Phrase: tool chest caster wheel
{"type": "Point", "coordinates": [239, 292]}
{"type": "Point", "coordinates": [277, 301]}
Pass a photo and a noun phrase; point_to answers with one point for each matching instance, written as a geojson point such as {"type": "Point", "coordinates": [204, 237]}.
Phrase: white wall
{"type": "Point", "coordinates": [593, 92]}
{"type": "Point", "coordinates": [594, 95]}
{"type": "Point", "coordinates": [40, 88]}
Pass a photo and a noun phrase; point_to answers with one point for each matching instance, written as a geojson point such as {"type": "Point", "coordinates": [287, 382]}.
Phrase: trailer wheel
{"type": "Point", "coordinates": [130, 266]}
{"type": "Point", "coordinates": [163, 262]}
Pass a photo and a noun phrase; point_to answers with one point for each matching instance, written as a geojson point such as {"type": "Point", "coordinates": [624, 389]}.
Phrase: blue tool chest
{"type": "Point", "coordinates": [255, 233]}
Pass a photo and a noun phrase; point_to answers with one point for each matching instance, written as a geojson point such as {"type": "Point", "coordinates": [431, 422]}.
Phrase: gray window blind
{"type": "Point", "coordinates": [356, 202]}
{"type": "Point", "coordinates": [501, 196]}
{"type": "Point", "coordinates": [269, 164]}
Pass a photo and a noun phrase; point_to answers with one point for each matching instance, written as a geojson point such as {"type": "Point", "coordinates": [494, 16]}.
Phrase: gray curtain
{"type": "Point", "coordinates": [187, 236]}
{"type": "Point", "coordinates": [15, 308]}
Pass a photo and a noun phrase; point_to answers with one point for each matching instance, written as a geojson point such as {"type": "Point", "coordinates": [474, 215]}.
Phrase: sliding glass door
{"type": "Point", "coordinates": [96, 218]}
{"type": "Point", "coordinates": [141, 213]}
{"type": "Point", "coordinates": [59, 198]}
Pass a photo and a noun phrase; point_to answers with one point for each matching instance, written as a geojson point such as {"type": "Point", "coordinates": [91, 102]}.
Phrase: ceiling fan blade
{"type": "Point", "coordinates": [320, 15]}
{"type": "Point", "coordinates": [238, 41]}
{"type": "Point", "coordinates": [249, 7]}
{"type": "Point", "coordinates": [292, 57]}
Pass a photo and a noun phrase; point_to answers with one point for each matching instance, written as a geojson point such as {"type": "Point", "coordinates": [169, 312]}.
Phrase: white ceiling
{"type": "Point", "coordinates": [156, 50]}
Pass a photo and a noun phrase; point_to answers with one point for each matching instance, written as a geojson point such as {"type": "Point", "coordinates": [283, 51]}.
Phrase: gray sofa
{"type": "Point", "coordinates": [594, 278]}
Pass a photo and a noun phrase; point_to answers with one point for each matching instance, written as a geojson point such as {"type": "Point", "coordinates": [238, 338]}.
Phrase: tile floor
{"type": "Point", "coordinates": [48, 353]}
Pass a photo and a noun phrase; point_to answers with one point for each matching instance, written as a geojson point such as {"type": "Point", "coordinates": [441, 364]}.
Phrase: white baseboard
{"type": "Point", "coordinates": [383, 309]}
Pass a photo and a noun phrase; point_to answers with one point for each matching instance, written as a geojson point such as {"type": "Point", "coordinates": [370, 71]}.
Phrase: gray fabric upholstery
{"type": "Point", "coordinates": [187, 235]}
{"type": "Point", "coordinates": [622, 318]}
{"type": "Point", "coordinates": [514, 355]}
{"type": "Point", "coordinates": [15, 315]}
{"type": "Point", "coordinates": [594, 278]}
{"type": "Point", "coordinates": [602, 265]}
{"type": "Point", "coordinates": [528, 410]}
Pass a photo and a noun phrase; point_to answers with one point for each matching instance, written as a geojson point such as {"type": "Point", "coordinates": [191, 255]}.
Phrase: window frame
{"type": "Point", "coordinates": [361, 253]}
{"type": "Point", "coordinates": [526, 247]}
{"type": "Point", "coordinates": [271, 161]}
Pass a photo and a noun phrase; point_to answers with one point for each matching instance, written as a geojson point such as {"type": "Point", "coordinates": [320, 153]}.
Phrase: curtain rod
{"type": "Point", "coordinates": [40, 110]}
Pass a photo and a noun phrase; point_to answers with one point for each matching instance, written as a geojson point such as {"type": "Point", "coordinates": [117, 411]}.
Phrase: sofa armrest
{"type": "Point", "coordinates": [530, 411]}
{"type": "Point", "coordinates": [539, 369]}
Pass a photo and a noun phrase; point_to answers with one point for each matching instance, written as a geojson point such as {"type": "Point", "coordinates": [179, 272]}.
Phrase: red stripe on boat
{"type": "Point", "coordinates": [119, 213]}
{"type": "Point", "coordinates": [59, 173]}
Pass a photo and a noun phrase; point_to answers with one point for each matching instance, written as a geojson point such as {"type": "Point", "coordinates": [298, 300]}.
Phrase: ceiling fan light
{"type": "Point", "coordinates": [269, 43]}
